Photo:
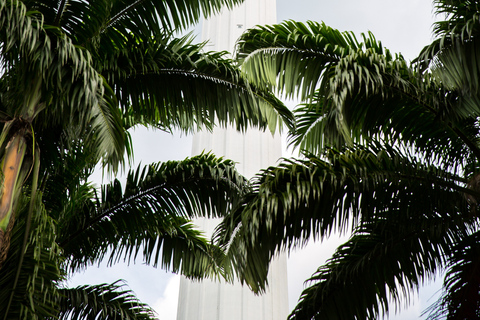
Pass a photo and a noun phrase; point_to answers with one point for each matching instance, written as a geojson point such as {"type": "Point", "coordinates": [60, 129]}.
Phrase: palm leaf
{"type": "Point", "coordinates": [460, 298]}
{"type": "Point", "coordinates": [409, 122]}
{"type": "Point", "coordinates": [387, 258]}
{"type": "Point", "coordinates": [358, 91]}
{"type": "Point", "coordinates": [150, 216]}
{"type": "Point", "coordinates": [299, 199]}
{"type": "Point", "coordinates": [73, 94]}
{"type": "Point", "coordinates": [461, 18]}
{"type": "Point", "coordinates": [30, 294]}
{"type": "Point", "coordinates": [104, 301]}
{"type": "Point", "coordinates": [170, 83]}
{"type": "Point", "coordinates": [143, 17]}
{"type": "Point", "coordinates": [304, 52]}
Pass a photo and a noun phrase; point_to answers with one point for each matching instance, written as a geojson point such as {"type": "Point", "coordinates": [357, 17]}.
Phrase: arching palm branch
{"type": "Point", "coordinates": [101, 301]}
{"type": "Point", "coordinates": [153, 212]}
{"type": "Point", "coordinates": [146, 219]}
{"type": "Point", "coordinates": [393, 153]}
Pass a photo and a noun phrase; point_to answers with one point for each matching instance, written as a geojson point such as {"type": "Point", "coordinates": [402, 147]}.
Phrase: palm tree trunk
{"type": "Point", "coordinates": [12, 180]}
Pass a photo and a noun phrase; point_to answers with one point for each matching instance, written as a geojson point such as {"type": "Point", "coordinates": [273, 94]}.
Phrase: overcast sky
{"type": "Point", "coordinates": [402, 26]}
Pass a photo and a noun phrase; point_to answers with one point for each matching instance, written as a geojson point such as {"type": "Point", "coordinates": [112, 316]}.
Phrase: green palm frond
{"type": "Point", "coordinates": [413, 208]}
{"type": "Point", "coordinates": [461, 18]}
{"type": "Point", "coordinates": [358, 91]}
{"type": "Point", "coordinates": [461, 25]}
{"type": "Point", "coordinates": [113, 18]}
{"type": "Point", "coordinates": [173, 83]}
{"type": "Point", "coordinates": [460, 297]}
{"type": "Point", "coordinates": [104, 301]}
{"type": "Point", "coordinates": [71, 95]}
{"type": "Point", "coordinates": [407, 121]}
{"type": "Point", "coordinates": [313, 197]}
{"type": "Point", "coordinates": [456, 67]}
{"type": "Point", "coordinates": [301, 59]}
{"type": "Point", "coordinates": [173, 244]}
{"type": "Point", "coordinates": [149, 217]}
{"type": "Point", "coordinates": [387, 258]}
{"type": "Point", "coordinates": [110, 17]}
{"type": "Point", "coordinates": [31, 293]}
{"type": "Point", "coordinates": [19, 29]}
{"type": "Point", "coordinates": [294, 56]}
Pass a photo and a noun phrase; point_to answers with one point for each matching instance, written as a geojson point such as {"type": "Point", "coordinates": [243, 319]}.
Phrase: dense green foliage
{"type": "Point", "coordinates": [75, 75]}
{"type": "Point", "coordinates": [391, 153]}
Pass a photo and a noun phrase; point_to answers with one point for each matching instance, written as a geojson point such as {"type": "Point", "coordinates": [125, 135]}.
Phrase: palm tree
{"type": "Point", "coordinates": [390, 151]}
{"type": "Point", "coordinates": [75, 76]}
{"type": "Point", "coordinates": [148, 219]}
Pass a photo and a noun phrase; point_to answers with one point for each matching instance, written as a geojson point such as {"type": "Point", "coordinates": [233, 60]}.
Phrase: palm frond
{"type": "Point", "coordinates": [460, 298]}
{"type": "Point", "coordinates": [296, 56]}
{"type": "Point", "coordinates": [110, 18]}
{"type": "Point", "coordinates": [150, 216]}
{"type": "Point", "coordinates": [31, 293]}
{"type": "Point", "coordinates": [460, 26]}
{"type": "Point", "coordinates": [312, 197]}
{"type": "Point", "coordinates": [414, 124]}
{"type": "Point", "coordinates": [358, 91]}
{"type": "Point", "coordinates": [387, 257]}
{"type": "Point", "coordinates": [461, 18]}
{"type": "Point", "coordinates": [172, 83]}
{"type": "Point", "coordinates": [19, 29]}
{"type": "Point", "coordinates": [72, 94]}
{"type": "Point", "coordinates": [104, 301]}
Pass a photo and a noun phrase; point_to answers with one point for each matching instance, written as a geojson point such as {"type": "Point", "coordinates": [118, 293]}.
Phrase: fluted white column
{"type": "Point", "coordinates": [254, 150]}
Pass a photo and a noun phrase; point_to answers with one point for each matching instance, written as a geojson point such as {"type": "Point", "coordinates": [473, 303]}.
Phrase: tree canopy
{"type": "Point", "coordinates": [390, 152]}
{"type": "Point", "coordinates": [75, 75]}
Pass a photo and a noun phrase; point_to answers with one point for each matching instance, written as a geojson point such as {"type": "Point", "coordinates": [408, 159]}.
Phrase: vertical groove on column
{"type": "Point", "coordinates": [253, 151]}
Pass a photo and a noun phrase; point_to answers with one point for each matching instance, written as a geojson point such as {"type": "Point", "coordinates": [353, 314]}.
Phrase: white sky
{"type": "Point", "coordinates": [402, 26]}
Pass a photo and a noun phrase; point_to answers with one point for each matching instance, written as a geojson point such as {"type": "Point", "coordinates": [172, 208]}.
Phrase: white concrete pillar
{"type": "Point", "coordinates": [254, 150]}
